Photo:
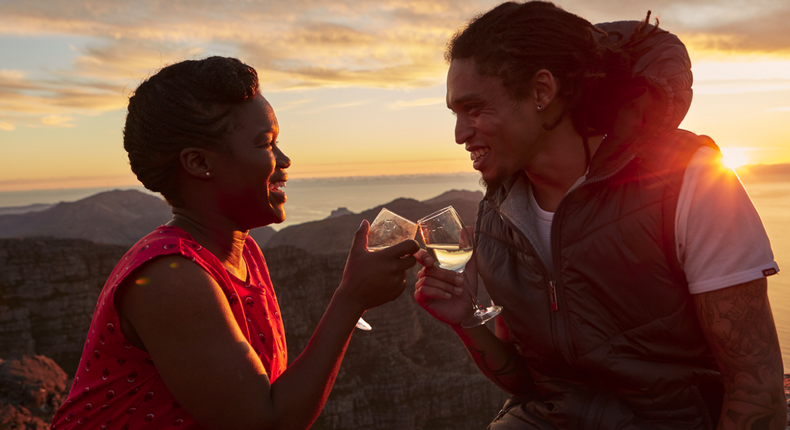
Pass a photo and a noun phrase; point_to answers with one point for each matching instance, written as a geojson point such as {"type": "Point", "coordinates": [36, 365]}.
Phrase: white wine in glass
{"type": "Point", "coordinates": [451, 245]}
{"type": "Point", "coordinates": [386, 230]}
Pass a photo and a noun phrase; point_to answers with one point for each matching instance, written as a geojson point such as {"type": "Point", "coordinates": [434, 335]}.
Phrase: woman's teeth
{"type": "Point", "coordinates": [275, 187]}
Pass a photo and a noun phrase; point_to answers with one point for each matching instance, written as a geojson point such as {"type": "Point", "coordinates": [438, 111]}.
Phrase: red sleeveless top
{"type": "Point", "coordinates": [117, 386]}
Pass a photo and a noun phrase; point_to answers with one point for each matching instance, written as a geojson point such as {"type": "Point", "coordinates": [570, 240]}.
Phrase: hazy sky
{"type": "Point", "coordinates": [358, 86]}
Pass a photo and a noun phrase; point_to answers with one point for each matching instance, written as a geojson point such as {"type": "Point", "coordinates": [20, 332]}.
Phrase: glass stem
{"type": "Point", "coordinates": [475, 303]}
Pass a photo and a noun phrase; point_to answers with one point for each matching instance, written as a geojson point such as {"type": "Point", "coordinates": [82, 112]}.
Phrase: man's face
{"type": "Point", "coordinates": [500, 133]}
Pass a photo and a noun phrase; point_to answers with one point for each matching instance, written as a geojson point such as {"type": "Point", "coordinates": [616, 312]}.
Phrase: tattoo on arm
{"type": "Point", "coordinates": [507, 376]}
{"type": "Point", "coordinates": [739, 326]}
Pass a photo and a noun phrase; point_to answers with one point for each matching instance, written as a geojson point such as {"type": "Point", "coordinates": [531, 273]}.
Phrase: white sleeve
{"type": "Point", "coordinates": [720, 238]}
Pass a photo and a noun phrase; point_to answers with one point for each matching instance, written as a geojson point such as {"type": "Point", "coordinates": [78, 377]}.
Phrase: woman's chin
{"type": "Point", "coordinates": [279, 217]}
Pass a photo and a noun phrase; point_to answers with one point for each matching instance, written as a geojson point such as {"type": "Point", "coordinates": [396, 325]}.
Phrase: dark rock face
{"type": "Point", "coordinates": [48, 290]}
{"type": "Point", "coordinates": [31, 390]}
{"type": "Point", "coordinates": [409, 372]}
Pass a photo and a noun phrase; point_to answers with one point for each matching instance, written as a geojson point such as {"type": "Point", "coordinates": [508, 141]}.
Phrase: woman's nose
{"type": "Point", "coordinates": [283, 161]}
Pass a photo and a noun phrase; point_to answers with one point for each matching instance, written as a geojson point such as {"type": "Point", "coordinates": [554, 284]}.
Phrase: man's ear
{"type": "Point", "coordinates": [195, 162]}
{"type": "Point", "coordinates": [544, 88]}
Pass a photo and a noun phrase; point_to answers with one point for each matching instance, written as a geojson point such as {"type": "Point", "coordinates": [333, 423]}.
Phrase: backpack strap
{"type": "Point", "coordinates": [668, 160]}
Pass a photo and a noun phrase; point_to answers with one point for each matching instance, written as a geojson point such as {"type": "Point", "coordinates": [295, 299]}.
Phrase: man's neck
{"type": "Point", "coordinates": [556, 169]}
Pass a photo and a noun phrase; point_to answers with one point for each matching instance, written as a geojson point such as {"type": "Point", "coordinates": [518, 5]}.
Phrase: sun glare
{"type": "Point", "coordinates": [735, 157]}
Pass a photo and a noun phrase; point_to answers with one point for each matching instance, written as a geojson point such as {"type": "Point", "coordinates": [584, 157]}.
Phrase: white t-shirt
{"type": "Point", "coordinates": [720, 238]}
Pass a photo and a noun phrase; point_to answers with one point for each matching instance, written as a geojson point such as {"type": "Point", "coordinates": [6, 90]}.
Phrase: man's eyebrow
{"type": "Point", "coordinates": [463, 99]}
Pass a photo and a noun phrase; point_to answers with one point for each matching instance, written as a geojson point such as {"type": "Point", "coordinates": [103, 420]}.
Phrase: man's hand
{"type": "Point", "coordinates": [442, 292]}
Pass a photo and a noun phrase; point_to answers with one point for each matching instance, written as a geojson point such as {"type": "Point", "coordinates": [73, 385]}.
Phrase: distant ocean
{"type": "Point", "coordinates": [308, 199]}
{"type": "Point", "coordinates": [315, 199]}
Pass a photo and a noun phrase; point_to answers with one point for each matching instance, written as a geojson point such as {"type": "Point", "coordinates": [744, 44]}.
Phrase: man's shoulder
{"type": "Point", "coordinates": [669, 155]}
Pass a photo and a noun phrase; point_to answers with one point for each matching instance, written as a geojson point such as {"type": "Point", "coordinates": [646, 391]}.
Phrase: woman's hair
{"type": "Point", "coordinates": [190, 103]}
{"type": "Point", "coordinates": [515, 40]}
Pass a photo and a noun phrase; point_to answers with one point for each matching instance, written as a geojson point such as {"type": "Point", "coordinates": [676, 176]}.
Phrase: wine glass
{"type": "Point", "coordinates": [387, 229]}
{"type": "Point", "coordinates": [451, 246]}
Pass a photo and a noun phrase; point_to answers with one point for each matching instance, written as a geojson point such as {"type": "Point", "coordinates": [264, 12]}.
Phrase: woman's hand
{"type": "Point", "coordinates": [372, 278]}
{"type": "Point", "coordinates": [442, 293]}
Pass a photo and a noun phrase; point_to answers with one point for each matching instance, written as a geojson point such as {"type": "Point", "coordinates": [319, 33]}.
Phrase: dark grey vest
{"type": "Point", "coordinates": [611, 336]}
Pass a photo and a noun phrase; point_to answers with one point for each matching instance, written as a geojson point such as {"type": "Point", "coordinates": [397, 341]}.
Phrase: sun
{"type": "Point", "coordinates": [735, 157]}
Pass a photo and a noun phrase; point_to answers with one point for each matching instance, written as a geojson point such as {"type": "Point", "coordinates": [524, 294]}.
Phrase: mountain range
{"type": "Point", "coordinates": [122, 217]}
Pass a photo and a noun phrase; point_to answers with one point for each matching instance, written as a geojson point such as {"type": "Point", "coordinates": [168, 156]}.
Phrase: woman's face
{"type": "Point", "coordinates": [252, 174]}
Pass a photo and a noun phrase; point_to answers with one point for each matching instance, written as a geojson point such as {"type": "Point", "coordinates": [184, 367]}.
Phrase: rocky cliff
{"type": "Point", "coordinates": [31, 390]}
{"type": "Point", "coordinates": [409, 372]}
{"type": "Point", "coordinates": [48, 289]}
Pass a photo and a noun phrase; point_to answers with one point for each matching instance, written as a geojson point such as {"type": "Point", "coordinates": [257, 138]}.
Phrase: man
{"type": "Point", "coordinates": [631, 266]}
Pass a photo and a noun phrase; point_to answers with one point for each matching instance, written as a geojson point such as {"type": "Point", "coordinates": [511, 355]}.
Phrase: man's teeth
{"type": "Point", "coordinates": [477, 153]}
{"type": "Point", "coordinates": [275, 186]}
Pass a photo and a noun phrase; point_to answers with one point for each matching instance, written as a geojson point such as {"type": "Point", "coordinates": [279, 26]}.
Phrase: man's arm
{"type": "Point", "coordinates": [497, 358]}
{"type": "Point", "coordinates": [445, 295]}
{"type": "Point", "coordinates": [739, 326]}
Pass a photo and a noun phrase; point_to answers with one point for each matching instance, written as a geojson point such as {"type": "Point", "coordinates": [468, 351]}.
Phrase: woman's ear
{"type": "Point", "coordinates": [544, 88]}
{"type": "Point", "coordinates": [195, 162]}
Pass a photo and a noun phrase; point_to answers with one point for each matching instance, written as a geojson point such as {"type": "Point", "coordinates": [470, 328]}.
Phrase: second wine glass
{"type": "Point", "coordinates": [451, 246]}
{"type": "Point", "coordinates": [387, 229]}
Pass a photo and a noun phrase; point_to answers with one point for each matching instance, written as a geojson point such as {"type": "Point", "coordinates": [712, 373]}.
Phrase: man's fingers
{"type": "Point", "coordinates": [434, 293]}
{"type": "Point", "coordinates": [424, 258]}
{"type": "Point", "coordinates": [436, 284]}
{"type": "Point", "coordinates": [444, 275]}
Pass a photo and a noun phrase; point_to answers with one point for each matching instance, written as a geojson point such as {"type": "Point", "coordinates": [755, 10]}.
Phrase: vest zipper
{"type": "Point", "coordinates": [553, 296]}
{"type": "Point", "coordinates": [563, 339]}
{"type": "Point", "coordinates": [706, 412]}
{"type": "Point", "coordinates": [558, 328]}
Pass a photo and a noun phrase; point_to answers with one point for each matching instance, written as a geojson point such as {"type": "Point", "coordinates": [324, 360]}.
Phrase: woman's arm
{"type": "Point", "coordinates": [183, 319]}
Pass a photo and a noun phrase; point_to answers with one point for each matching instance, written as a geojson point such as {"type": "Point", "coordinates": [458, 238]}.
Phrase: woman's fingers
{"type": "Point", "coordinates": [407, 247]}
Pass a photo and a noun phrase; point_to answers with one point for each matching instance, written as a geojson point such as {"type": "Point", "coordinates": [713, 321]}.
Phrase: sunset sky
{"type": "Point", "coordinates": [358, 86]}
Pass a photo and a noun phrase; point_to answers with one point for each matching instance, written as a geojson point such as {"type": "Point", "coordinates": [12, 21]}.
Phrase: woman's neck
{"type": "Point", "coordinates": [217, 235]}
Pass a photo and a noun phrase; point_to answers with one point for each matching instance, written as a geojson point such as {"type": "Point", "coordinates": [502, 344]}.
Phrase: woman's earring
{"type": "Point", "coordinates": [208, 174]}
{"type": "Point", "coordinates": [540, 107]}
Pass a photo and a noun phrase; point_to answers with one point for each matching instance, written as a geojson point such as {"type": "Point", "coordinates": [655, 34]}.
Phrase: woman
{"type": "Point", "coordinates": [187, 331]}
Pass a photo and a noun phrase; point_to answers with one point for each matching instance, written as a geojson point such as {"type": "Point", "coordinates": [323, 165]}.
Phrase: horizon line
{"type": "Point", "coordinates": [744, 169]}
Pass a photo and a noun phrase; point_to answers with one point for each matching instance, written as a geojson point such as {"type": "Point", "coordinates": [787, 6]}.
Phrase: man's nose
{"type": "Point", "coordinates": [463, 130]}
